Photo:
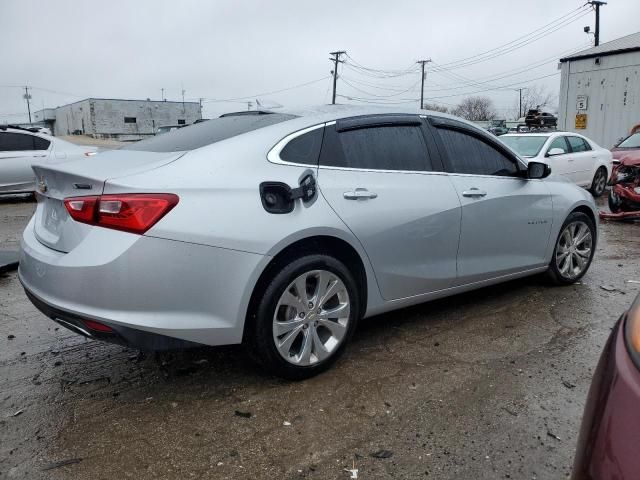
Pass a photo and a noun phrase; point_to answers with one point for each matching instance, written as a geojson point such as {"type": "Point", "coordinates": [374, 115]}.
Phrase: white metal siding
{"type": "Point", "coordinates": [613, 91]}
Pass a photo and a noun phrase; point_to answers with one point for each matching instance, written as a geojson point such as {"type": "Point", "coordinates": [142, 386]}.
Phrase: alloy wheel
{"type": "Point", "coordinates": [599, 182]}
{"type": "Point", "coordinates": [573, 251]}
{"type": "Point", "coordinates": [311, 318]}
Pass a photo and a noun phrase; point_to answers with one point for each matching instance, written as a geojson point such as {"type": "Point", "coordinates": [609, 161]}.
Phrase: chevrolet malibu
{"type": "Point", "coordinates": [281, 230]}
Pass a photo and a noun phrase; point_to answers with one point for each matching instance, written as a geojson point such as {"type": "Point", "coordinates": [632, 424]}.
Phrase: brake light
{"type": "Point", "coordinates": [135, 212]}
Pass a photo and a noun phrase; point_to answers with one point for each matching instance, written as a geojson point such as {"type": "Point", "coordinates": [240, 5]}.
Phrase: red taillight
{"type": "Point", "coordinates": [81, 209]}
{"type": "Point", "coordinates": [97, 326]}
{"type": "Point", "coordinates": [135, 212]}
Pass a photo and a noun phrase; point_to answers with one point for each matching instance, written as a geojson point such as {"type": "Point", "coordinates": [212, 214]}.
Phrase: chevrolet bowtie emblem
{"type": "Point", "coordinates": [42, 186]}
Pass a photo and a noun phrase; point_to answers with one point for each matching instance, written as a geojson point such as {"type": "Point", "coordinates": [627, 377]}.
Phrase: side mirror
{"type": "Point", "coordinates": [537, 170]}
{"type": "Point", "coordinates": [555, 151]}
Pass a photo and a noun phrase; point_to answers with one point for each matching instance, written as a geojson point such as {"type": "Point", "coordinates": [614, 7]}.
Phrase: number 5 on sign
{"type": "Point", "coordinates": [581, 121]}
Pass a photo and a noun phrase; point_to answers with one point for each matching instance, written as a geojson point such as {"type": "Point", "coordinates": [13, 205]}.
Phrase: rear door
{"type": "Point", "coordinates": [506, 218]}
{"type": "Point", "coordinates": [18, 151]}
{"type": "Point", "coordinates": [383, 176]}
{"type": "Point", "coordinates": [584, 159]}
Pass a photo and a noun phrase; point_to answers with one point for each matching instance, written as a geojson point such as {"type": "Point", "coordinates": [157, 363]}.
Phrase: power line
{"type": "Point", "coordinates": [520, 41]}
{"type": "Point", "coordinates": [232, 100]}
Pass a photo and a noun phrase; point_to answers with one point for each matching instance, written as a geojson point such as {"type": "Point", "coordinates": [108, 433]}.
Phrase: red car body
{"type": "Point", "coordinates": [624, 156]}
{"type": "Point", "coordinates": [609, 442]}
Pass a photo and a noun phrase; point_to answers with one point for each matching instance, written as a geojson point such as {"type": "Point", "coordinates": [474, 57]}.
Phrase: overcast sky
{"type": "Point", "coordinates": [217, 50]}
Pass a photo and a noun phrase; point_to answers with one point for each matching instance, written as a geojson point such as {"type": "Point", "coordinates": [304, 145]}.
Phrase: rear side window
{"type": "Point", "coordinates": [205, 133]}
{"type": "Point", "coordinates": [578, 144]}
{"type": "Point", "coordinates": [468, 154]}
{"type": "Point", "coordinates": [304, 149]}
{"type": "Point", "coordinates": [399, 147]}
{"type": "Point", "coordinates": [12, 142]}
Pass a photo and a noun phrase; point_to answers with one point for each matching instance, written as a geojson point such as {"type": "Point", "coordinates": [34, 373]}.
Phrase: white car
{"type": "Point", "coordinates": [570, 155]}
{"type": "Point", "coordinates": [20, 148]}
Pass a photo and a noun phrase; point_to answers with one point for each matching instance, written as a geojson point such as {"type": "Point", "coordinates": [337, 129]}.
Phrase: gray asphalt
{"type": "Point", "coordinates": [484, 385]}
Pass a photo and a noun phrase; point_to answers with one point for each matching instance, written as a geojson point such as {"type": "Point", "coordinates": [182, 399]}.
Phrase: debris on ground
{"type": "Point", "coordinates": [11, 337]}
{"type": "Point", "coordinates": [509, 411]}
{"type": "Point", "coordinates": [382, 454]}
{"type": "Point", "coordinates": [19, 412]}
{"type": "Point", "coordinates": [609, 288]}
{"type": "Point", "coordinates": [552, 435]}
{"type": "Point", "coordinates": [568, 384]}
{"type": "Point", "coordinates": [286, 424]}
{"type": "Point", "coordinates": [61, 463]}
{"type": "Point", "coordinates": [238, 413]}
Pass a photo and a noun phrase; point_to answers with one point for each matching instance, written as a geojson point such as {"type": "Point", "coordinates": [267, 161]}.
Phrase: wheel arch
{"type": "Point", "coordinates": [328, 244]}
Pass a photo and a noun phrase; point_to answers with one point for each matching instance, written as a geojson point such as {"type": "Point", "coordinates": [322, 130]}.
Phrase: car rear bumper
{"type": "Point", "coordinates": [142, 286]}
{"type": "Point", "coordinates": [609, 436]}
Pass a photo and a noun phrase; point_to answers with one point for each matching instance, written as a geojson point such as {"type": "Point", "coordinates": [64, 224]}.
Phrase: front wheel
{"type": "Point", "coordinates": [305, 318]}
{"type": "Point", "coordinates": [615, 202]}
{"type": "Point", "coordinates": [599, 182]}
{"type": "Point", "coordinates": [574, 249]}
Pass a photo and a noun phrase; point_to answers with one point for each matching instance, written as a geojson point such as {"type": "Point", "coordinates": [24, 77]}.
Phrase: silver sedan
{"type": "Point", "coordinates": [283, 230]}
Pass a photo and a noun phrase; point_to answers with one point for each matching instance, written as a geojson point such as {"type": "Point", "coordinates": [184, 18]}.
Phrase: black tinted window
{"type": "Point", "coordinates": [578, 144]}
{"type": "Point", "coordinates": [468, 154]}
{"type": "Point", "coordinates": [377, 148]}
{"type": "Point", "coordinates": [11, 142]}
{"type": "Point", "coordinates": [304, 149]}
{"type": "Point", "coordinates": [206, 133]}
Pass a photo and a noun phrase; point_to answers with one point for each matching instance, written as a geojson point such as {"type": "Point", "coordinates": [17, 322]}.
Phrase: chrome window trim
{"type": "Point", "coordinates": [274, 156]}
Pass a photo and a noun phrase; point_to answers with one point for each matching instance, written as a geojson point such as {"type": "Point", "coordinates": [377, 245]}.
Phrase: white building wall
{"type": "Point", "coordinates": [72, 117]}
{"type": "Point", "coordinates": [109, 116]}
{"type": "Point", "coordinates": [613, 92]}
{"type": "Point", "coordinates": [104, 118]}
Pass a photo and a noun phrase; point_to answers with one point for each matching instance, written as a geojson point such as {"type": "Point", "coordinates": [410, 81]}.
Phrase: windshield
{"type": "Point", "coordinates": [525, 145]}
{"type": "Point", "coordinates": [631, 142]}
{"type": "Point", "coordinates": [206, 133]}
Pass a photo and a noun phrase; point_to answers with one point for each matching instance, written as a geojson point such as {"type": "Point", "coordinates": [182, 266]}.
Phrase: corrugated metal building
{"type": "Point", "coordinates": [119, 119]}
{"type": "Point", "coordinates": [600, 90]}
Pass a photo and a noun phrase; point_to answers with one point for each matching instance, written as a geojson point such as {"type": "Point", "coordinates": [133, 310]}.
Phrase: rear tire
{"type": "Point", "coordinates": [574, 249]}
{"type": "Point", "coordinates": [599, 182]}
{"type": "Point", "coordinates": [305, 318]}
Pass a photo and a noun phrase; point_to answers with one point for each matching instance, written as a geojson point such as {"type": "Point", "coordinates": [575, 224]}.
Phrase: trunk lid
{"type": "Point", "coordinates": [54, 227]}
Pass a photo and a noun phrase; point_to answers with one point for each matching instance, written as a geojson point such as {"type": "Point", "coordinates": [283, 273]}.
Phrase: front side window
{"type": "Point", "coordinates": [578, 144]}
{"type": "Point", "coordinates": [14, 142]}
{"type": "Point", "coordinates": [304, 148]}
{"type": "Point", "coordinates": [558, 142]}
{"type": "Point", "coordinates": [389, 147]}
{"type": "Point", "coordinates": [470, 155]}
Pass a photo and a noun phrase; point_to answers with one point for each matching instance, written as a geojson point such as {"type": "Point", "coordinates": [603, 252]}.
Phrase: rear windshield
{"type": "Point", "coordinates": [525, 145]}
{"type": "Point", "coordinates": [206, 133]}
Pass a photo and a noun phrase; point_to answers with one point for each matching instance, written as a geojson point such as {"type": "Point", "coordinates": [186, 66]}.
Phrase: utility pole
{"type": "Point", "coordinates": [424, 76]}
{"type": "Point", "coordinates": [597, 4]}
{"type": "Point", "coordinates": [27, 97]}
{"type": "Point", "coordinates": [336, 60]}
{"type": "Point", "coordinates": [183, 92]}
{"type": "Point", "coordinates": [520, 108]}
{"type": "Point", "coordinates": [162, 94]}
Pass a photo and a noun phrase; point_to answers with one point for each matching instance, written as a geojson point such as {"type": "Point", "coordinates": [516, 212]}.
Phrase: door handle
{"type": "Point", "coordinates": [474, 192]}
{"type": "Point", "coordinates": [359, 193]}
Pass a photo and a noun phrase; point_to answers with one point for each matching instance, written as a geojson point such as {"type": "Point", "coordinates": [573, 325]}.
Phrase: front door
{"type": "Point", "coordinates": [506, 219]}
{"type": "Point", "coordinates": [382, 180]}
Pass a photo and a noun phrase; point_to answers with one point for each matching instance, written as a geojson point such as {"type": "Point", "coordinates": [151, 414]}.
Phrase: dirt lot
{"type": "Point", "coordinates": [484, 385]}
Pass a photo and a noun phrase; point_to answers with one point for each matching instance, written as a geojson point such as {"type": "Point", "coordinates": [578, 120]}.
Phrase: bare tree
{"type": "Point", "coordinates": [535, 96]}
{"type": "Point", "coordinates": [475, 108]}
{"type": "Point", "coordinates": [436, 108]}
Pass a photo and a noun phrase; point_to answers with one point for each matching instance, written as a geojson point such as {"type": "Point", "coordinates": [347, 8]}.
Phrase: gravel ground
{"type": "Point", "coordinates": [485, 385]}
